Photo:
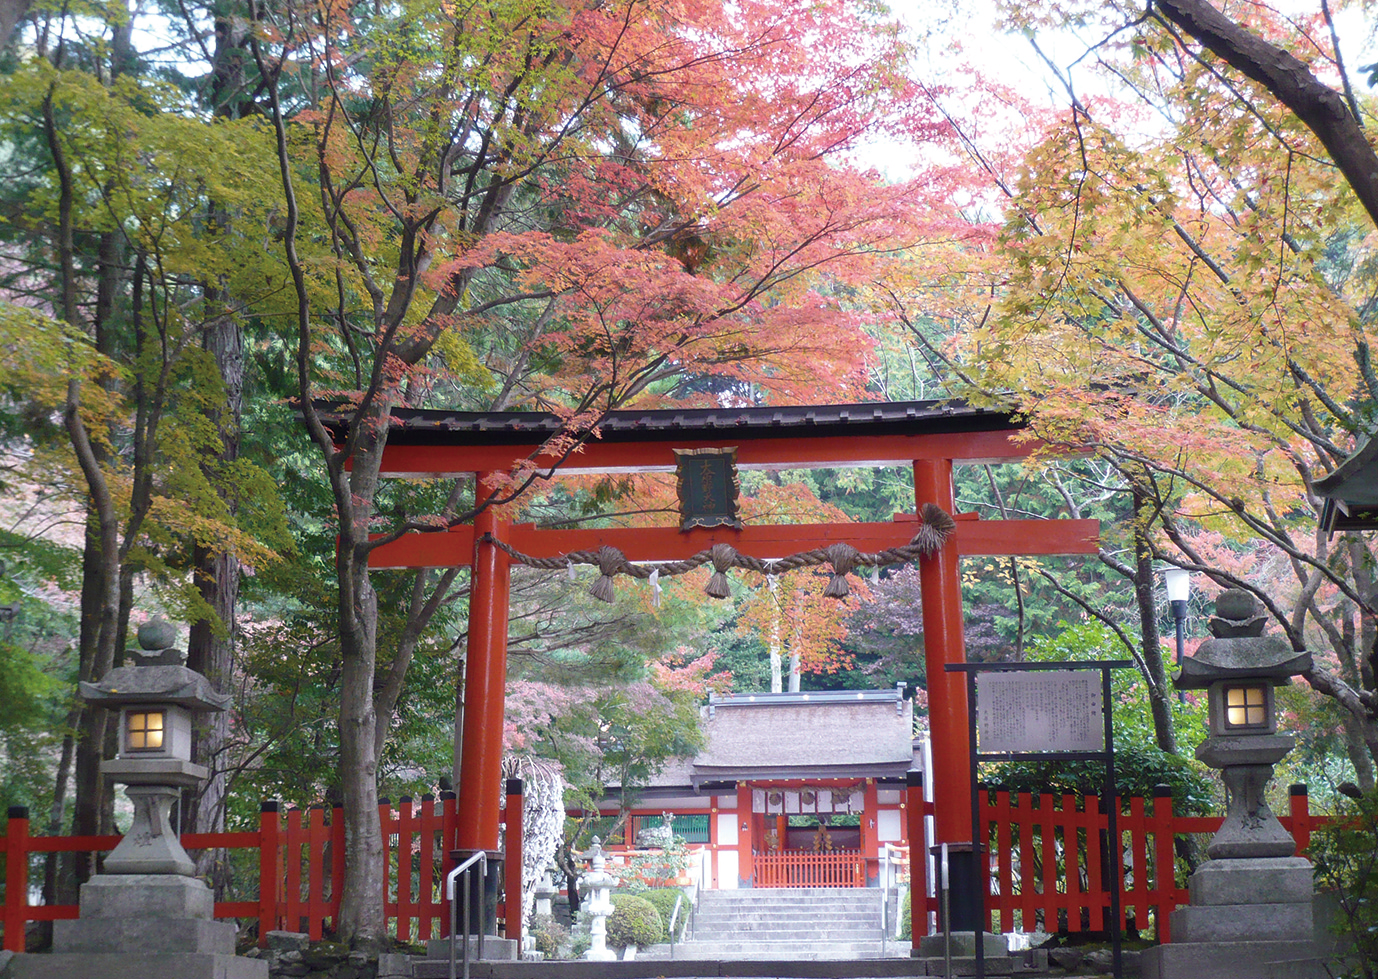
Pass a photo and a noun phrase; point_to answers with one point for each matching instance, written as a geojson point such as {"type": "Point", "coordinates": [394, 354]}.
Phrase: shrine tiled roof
{"type": "Point", "coordinates": [415, 426]}
{"type": "Point", "coordinates": [1350, 493]}
{"type": "Point", "coordinates": [829, 734]}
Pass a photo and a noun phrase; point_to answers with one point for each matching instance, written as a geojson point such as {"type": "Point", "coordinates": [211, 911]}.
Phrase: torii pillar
{"type": "Point", "coordinates": [940, 585]}
{"type": "Point", "coordinates": [479, 761]}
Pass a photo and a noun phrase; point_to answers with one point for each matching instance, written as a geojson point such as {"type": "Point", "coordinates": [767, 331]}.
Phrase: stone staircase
{"type": "Point", "coordinates": [786, 923]}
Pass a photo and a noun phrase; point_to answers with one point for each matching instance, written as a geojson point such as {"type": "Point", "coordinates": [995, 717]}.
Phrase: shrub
{"type": "Point", "coordinates": [1346, 856]}
{"type": "Point", "coordinates": [658, 868]}
{"type": "Point", "coordinates": [664, 900]}
{"type": "Point", "coordinates": [548, 935]}
{"type": "Point", "coordinates": [906, 919]}
{"type": "Point", "coordinates": [634, 921]}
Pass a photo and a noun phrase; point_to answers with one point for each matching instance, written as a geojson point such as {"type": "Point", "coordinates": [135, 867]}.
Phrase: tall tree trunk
{"type": "Point", "coordinates": [776, 676]}
{"type": "Point", "coordinates": [360, 918]}
{"type": "Point", "coordinates": [211, 646]}
{"type": "Point", "coordinates": [1159, 693]}
{"type": "Point", "coordinates": [99, 627]}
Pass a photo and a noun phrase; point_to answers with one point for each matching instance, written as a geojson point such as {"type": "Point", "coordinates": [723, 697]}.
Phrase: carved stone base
{"type": "Point", "coordinates": [1250, 829]}
{"type": "Point", "coordinates": [151, 846]}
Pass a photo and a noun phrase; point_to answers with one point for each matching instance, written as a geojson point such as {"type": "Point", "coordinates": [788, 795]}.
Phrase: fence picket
{"type": "Point", "coordinates": [406, 831]}
{"type": "Point", "coordinates": [1165, 861]}
{"type": "Point", "coordinates": [337, 862]}
{"type": "Point", "coordinates": [429, 829]}
{"type": "Point", "coordinates": [1072, 823]}
{"type": "Point", "coordinates": [316, 908]}
{"type": "Point", "coordinates": [1003, 855]}
{"type": "Point", "coordinates": [293, 909]}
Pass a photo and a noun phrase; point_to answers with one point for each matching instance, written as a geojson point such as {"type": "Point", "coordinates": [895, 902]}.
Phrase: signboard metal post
{"type": "Point", "coordinates": [1042, 720]}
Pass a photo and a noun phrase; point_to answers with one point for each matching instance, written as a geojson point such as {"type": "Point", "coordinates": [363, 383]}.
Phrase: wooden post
{"type": "Point", "coordinates": [480, 772]}
{"type": "Point", "coordinates": [943, 643]}
{"type": "Point", "coordinates": [512, 862]}
{"type": "Point", "coordinates": [407, 909]}
{"type": "Point", "coordinates": [870, 833]}
{"type": "Point", "coordinates": [745, 864]}
{"type": "Point", "coordinates": [317, 834]}
{"type": "Point", "coordinates": [1165, 861]}
{"type": "Point", "coordinates": [1300, 804]}
{"type": "Point", "coordinates": [918, 855]}
{"type": "Point", "coordinates": [337, 863]}
{"type": "Point", "coordinates": [292, 905]}
{"type": "Point", "coordinates": [711, 847]}
{"type": "Point", "coordinates": [16, 878]}
{"type": "Point", "coordinates": [269, 869]}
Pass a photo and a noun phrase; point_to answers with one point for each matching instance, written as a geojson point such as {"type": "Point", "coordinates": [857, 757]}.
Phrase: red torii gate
{"type": "Point", "coordinates": [930, 436]}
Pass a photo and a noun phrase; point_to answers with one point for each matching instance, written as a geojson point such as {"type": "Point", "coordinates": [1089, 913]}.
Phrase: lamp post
{"type": "Point", "coordinates": [1178, 584]}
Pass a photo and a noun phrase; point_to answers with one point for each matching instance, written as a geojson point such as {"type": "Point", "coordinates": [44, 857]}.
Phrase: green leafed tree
{"type": "Point", "coordinates": [107, 254]}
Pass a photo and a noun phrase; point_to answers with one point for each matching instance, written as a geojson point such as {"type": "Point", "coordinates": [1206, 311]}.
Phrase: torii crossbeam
{"type": "Point", "coordinates": [930, 436]}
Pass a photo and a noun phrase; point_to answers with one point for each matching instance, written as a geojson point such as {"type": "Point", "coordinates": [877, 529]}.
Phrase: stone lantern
{"type": "Point", "coordinates": [1251, 903]}
{"type": "Point", "coordinates": [155, 696]}
{"type": "Point", "coordinates": [598, 884]}
{"type": "Point", "coordinates": [1239, 670]}
{"type": "Point", "coordinates": [146, 915]}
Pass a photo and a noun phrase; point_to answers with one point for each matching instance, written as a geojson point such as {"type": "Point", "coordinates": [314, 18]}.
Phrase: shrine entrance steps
{"type": "Point", "coordinates": [786, 924]}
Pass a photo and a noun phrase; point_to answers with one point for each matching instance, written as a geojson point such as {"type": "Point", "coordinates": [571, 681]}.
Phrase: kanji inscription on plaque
{"type": "Point", "coordinates": [708, 487]}
{"type": "Point", "coordinates": [1039, 711]}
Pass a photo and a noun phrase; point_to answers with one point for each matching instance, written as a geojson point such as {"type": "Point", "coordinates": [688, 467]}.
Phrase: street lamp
{"type": "Point", "coordinates": [1178, 584]}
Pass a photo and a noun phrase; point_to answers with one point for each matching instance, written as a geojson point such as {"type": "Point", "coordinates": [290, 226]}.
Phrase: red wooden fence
{"type": "Point", "coordinates": [1049, 867]}
{"type": "Point", "coordinates": [300, 867]}
{"type": "Point", "coordinates": [792, 868]}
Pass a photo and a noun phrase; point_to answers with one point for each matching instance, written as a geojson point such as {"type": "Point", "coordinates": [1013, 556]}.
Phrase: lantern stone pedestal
{"type": "Point", "coordinates": [1251, 913]}
{"type": "Point", "coordinates": [142, 926]}
{"type": "Point", "coordinates": [145, 916]}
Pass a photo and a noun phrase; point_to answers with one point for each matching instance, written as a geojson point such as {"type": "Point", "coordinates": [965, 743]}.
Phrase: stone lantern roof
{"type": "Point", "coordinates": [156, 677]}
{"type": "Point", "coordinates": [1239, 649]}
{"type": "Point", "coordinates": [178, 685]}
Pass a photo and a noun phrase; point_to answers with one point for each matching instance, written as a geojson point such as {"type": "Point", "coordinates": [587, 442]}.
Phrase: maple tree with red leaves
{"type": "Point", "coordinates": [572, 206]}
{"type": "Point", "coordinates": [797, 623]}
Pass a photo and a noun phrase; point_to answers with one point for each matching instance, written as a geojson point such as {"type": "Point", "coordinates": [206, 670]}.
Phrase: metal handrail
{"type": "Point", "coordinates": [705, 856]}
{"type": "Point", "coordinates": [884, 897]}
{"type": "Point", "coordinates": [480, 858]}
{"type": "Point", "coordinates": [892, 857]}
{"type": "Point", "coordinates": [701, 855]}
{"type": "Point", "coordinates": [674, 916]}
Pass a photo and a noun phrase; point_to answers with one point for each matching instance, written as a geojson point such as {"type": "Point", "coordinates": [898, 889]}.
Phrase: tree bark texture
{"type": "Point", "coordinates": [1319, 107]}
{"type": "Point", "coordinates": [1159, 697]}
{"type": "Point", "coordinates": [211, 646]}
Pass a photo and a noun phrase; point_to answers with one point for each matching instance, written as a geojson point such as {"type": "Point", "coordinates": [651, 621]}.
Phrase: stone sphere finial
{"type": "Point", "coordinates": [156, 638]}
{"type": "Point", "coordinates": [1238, 615]}
{"type": "Point", "coordinates": [156, 635]}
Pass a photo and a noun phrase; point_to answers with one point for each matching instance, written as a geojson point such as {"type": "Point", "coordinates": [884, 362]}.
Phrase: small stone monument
{"type": "Point", "coordinates": [545, 891]}
{"type": "Point", "coordinates": [145, 915]}
{"type": "Point", "coordinates": [598, 883]}
{"type": "Point", "coordinates": [658, 836]}
{"type": "Point", "coordinates": [1251, 903]}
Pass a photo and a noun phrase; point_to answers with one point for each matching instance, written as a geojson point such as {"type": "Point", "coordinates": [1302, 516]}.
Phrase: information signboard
{"type": "Point", "coordinates": [1017, 713]}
